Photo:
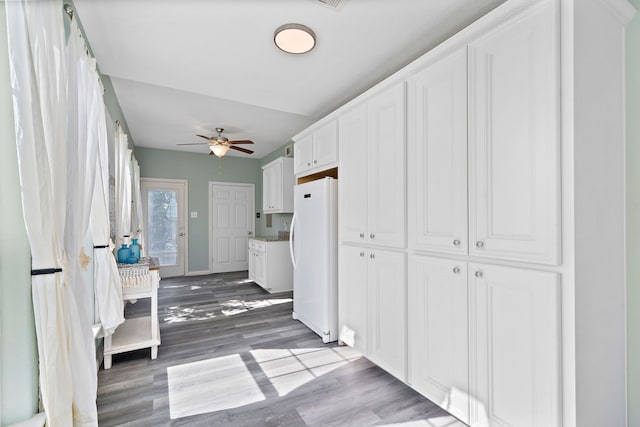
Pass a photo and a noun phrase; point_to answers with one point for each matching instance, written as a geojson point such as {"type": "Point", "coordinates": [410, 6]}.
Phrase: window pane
{"type": "Point", "coordinates": [163, 226]}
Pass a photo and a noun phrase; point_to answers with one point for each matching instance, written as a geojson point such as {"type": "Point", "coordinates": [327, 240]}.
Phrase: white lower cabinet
{"type": "Point", "coordinates": [484, 341]}
{"type": "Point", "coordinates": [372, 304]}
{"type": "Point", "coordinates": [514, 348]}
{"type": "Point", "coordinates": [438, 332]}
{"type": "Point", "coordinates": [270, 265]}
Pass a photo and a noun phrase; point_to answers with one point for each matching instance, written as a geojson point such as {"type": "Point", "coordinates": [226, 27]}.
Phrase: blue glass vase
{"type": "Point", "coordinates": [123, 254]}
{"type": "Point", "coordinates": [135, 250]}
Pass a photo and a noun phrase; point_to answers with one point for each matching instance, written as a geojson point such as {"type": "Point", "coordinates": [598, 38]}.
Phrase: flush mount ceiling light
{"type": "Point", "coordinates": [294, 38]}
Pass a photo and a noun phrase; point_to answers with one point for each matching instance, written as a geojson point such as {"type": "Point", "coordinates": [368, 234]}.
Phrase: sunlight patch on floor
{"type": "Point", "coordinates": [211, 385]}
{"type": "Point", "coordinates": [233, 307]}
{"type": "Point", "coordinates": [288, 369]}
{"type": "Point", "coordinates": [178, 314]}
{"type": "Point", "coordinates": [445, 421]}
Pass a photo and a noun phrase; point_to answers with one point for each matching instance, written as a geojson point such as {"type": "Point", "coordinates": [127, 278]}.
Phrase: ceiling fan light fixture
{"type": "Point", "coordinates": [294, 38]}
{"type": "Point", "coordinates": [219, 150]}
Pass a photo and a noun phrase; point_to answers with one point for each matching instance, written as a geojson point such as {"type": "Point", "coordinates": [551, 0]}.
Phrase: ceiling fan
{"type": "Point", "coordinates": [219, 145]}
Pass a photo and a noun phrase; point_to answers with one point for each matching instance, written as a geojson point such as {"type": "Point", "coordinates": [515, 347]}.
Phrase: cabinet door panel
{"type": "Point", "coordinates": [352, 298]}
{"type": "Point", "coordinates": [303, 155]}
{"type": "Point", "coordinates": [325, 144]}
{"type": "Point", "coordinates": [515, 339]}
{"type": "Point", "coordinates": [386, 122]}
{"type": "Point", "coordinates": [352, 206]}
{"type": "Point", "coordinates": [514, 139]}
{"type": "Point", "coordinates": [387, 311]}
{"type": "Point", "coordinates": [438, 157]}
{"type": "Point", "coordinates": [438, 333]}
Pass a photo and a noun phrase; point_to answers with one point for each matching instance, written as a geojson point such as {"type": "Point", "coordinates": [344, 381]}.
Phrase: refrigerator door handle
{"type": "Point", "coordinates": [293, 223]}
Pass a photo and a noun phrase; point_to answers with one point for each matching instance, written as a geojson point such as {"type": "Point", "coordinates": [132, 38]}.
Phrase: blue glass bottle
{"type": "Point", "coordinates": [135, 250]}
{"type": "Point", "coordinates": [123, 254]}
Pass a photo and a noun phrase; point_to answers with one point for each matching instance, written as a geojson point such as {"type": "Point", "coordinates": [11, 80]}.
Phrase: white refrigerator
{"type": "Point", "coordinates": [313, 244]}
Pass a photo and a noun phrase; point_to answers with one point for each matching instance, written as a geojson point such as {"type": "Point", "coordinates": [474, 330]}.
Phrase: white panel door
{"type": "Point", "coordinates": [515, 357]}
{"type": "Point", "coordinates": [438, 339]}
{"type": "Point", "coordinates": [231, 226]}
{"type": "Point", "coordinates": [164, 207]}
{"type": "Point", "coordinates": [387, 301]}
{"type": "Point", "coordinates": [438, 156]}
{"type": "Point", "coordinates": [325, 144]}
{"type": "Point", "coordinates": [386, 144]}
{"type": "Point", "coordinates": [303, 156]}
{"type": "Point", "coordinates": [514, 139]}
{"type": "Point", "coordinates": [352, 185]}
{"type": "Point", "coordinates": [352, 298]}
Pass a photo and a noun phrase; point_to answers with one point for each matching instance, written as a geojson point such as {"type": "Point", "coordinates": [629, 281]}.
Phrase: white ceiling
{"type": "Point", "coordinates": [185, 67]}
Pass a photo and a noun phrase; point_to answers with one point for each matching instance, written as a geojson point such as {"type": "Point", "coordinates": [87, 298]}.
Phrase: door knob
{"type": "Point", "coordinates": [250, 233]}
{"type": "Point", "coordinates": [180, 234]}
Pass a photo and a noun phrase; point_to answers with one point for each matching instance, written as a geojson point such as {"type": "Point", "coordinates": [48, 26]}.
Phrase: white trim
{"type": "Point", "coordinates": [621, 9]}
{"type": "Point", "coordinates": [253, 208]}
{"type": "Point", "coordinates": [197, 273]}
{"type": "Point", "coordinates": [185, 211]}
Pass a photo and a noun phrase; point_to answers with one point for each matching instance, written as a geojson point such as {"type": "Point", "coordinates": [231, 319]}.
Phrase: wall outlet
{"type": "Point", "coordinates": [194, 214]}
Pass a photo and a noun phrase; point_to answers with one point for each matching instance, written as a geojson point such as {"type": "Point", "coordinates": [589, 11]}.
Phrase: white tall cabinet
{"type": "Point", "coordinates": [500, 223]}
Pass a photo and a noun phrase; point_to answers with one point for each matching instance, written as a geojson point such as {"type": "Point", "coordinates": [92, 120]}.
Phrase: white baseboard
{"type": "Point", "coordinates": [197, 273]}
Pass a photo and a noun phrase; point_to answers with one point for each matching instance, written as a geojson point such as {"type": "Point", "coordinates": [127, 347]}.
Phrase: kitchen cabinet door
{"type": "Point", "coordinates": [252, 264]}
{"type": "Point", "coordinates": [353, 189]}
{"type": "Point", "coordinates": [514, 139]}
{"type": "Point", "coordinates": [303, 154]}
{"type": "Point", "coordinates": [386, 301]}
{"type": "Point", "coordinates": [260, 268]}
{"type": "Point", "coordinates": [277, 185]}
{"type": "Point", "coordinates": [386, 163]}
{"type": "Point", "coordinates": [438, 337]}
{"type": "Point", "coordinates": [325, 144]}
{"type": "Point", "coordinates": [352, 297]}
{"type": "Point", "coordinates": [437, 184]}
{"type": "Point", "coordinates": [515, 335]}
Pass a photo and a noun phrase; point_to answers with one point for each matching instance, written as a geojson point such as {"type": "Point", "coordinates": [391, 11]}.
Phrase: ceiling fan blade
{"type": "Point", "coordinates": [242, 141]}
{"type": "Point", "coordinates": [244, 150]}
{"type": "Point", "coordinates": [194, 143]}
{"type": "Point", "coordinates": [205, 137]}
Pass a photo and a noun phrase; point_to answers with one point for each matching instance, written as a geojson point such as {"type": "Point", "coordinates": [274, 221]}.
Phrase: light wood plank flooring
{"type": "Point", "coordinates": [231, 355]}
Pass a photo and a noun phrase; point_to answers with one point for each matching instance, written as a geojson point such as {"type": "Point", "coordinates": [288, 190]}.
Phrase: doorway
{"type": "Point", "coordinates": [231, 225]}
{"type": "Point", "coordinates": [164, 208]}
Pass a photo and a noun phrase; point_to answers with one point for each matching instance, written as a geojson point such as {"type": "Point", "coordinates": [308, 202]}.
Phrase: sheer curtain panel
{"type": "Point", "coordinates": [39, 77]}
{"type": "Point", "coordinates": [123, 186]}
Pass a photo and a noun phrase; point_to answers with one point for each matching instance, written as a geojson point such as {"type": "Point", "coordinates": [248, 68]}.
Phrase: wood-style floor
{"type": "Point", "coordinates": [231, 355]}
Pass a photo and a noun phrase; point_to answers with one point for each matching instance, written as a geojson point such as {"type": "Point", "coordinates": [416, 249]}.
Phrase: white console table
{"type": "Point", "coordinates": [137, 332]}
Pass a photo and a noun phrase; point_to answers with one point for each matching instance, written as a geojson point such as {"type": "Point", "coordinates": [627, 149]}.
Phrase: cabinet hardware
{"type": "Point", "coordinates": [361, 253]}
{"type": "Point", "coordinates": [479, 274]}
{"type": "Point", "coordinates": [372, 236]}
{"type": "Point", "coordinates": [372, 256]}
{"type": "Point", "coordinates": [479, 244]}
{"type": "Point", "coordinates": [456, 270]}
{"type": "Point", "coordinates": [362, 235]}
{"type": "Point", "coordinates": [456, 242]}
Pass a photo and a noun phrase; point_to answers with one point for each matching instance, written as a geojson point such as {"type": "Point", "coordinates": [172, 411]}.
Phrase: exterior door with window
{"type": "Point", "coordinates": [164, 210]}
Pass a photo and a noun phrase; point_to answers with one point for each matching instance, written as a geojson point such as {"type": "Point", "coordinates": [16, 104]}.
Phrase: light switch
{"type": "Point", "coordinates": [194, 214]}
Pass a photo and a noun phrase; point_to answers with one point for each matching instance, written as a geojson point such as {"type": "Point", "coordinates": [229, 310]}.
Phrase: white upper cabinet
{"type": "Point", "coordinates": [372, 170]}
{"type": "Point", "coordinates": [318, 150]}
{"type": "Point", "coordinates": [515, 357]}
{"type": "Point", "coordinates": [514, 139]}
{"type": "Point", "coordinates": [277, 186]}
{"type": "Point", "coordinates": [437, 160]}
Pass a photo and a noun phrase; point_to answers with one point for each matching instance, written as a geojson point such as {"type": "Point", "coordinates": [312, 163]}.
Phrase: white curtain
{"type": "Point", "coordinates": [136, 211]}
{"type": "Point", "coordinates": [123, 186]}
{"type": "Point", "coordinates": [39, 88]}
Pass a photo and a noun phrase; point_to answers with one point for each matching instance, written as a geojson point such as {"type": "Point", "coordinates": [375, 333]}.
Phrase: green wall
{"type": "Point", "coordinates": [18, 347]}
{"type": "Point", "coordinates": [198, 169]}
{"type": "Point", "coordinates": [633, 216]}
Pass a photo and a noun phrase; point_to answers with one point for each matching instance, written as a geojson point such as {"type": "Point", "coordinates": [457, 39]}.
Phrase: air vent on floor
{"type": "Point", "coordinates": [332, 3]}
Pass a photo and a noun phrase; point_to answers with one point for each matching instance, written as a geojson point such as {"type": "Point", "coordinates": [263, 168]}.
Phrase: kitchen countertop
{"type": "Point", "coordinates": [270, 238]}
